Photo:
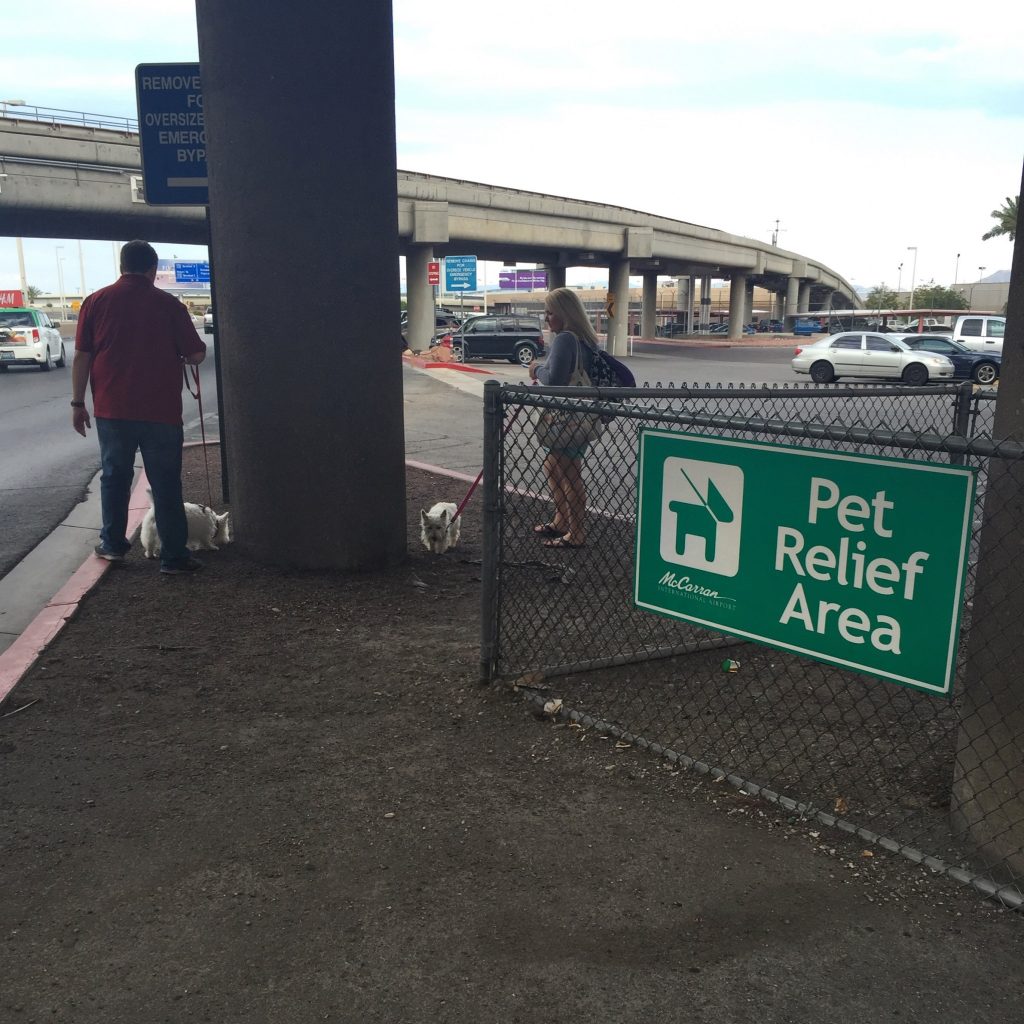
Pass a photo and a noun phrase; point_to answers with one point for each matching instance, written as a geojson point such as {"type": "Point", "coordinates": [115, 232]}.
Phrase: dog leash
{"type": "Point", "coordinates": [480, 475]}
{"type": "Point", "coordinates": [198, 396]}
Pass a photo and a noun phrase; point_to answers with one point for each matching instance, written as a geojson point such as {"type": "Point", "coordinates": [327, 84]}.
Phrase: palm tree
{"type": "Point", "coordinates": [33, 292]}
{"type": "Point", "coordinates": [1006, 220]}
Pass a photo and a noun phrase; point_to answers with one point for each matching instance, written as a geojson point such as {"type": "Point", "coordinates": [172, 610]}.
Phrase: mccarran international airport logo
{"type": "Point", "coordinates": [701, 519]}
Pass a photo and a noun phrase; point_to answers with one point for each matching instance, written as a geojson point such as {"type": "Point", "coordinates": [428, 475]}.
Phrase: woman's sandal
{"type": "Point", "coordinates": [548, 530]}
{"type": "Point", "coordinates": [561, 542]}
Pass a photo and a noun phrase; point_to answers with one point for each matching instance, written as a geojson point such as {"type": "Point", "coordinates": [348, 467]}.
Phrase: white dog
{"type": "Point", "coordinates": [206, 529]}
{"type": "Point", "coordinates": [439, 529]}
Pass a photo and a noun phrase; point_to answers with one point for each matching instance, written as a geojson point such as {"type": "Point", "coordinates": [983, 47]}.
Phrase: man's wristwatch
{"type": "Point", "coordinates": [77, 405]}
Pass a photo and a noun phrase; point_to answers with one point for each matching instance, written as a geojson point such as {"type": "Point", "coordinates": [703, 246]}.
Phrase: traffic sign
{"type": "Point", "coordinates": [192, 273]}
{"type": "Point", "coordinates": [433, 272]}
{"type": "Point", "coordinates": [522, 280]}
{"type": "Point", "coordinates": [854, 560]}
{"type": "Point", "coordinates": [460, 273]}
{"type": "Point", "coordinates": [172, 134]}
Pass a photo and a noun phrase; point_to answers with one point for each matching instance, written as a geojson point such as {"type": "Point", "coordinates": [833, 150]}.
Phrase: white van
{"type": "Point", "coordinates": [980, 333]}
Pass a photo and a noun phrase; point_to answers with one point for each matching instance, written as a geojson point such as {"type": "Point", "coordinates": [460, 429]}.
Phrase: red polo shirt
{"type": "Point", "coordinates": [137, 335]}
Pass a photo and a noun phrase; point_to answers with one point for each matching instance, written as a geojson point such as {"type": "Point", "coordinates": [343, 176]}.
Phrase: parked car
{"type": "Point", "coordinates": [856, 354]}
{"type": "Point", "coordinates": [724, 329]}
{"type": "Point", "coordinates": [208, 320]}
{"type": "Point", "coordinates": [519, 339]}
{"type": "Point", "coordinates": [29, 338]}
{"type": "Point", "coordinates": [673, 329]}
{"type": "Point", "coordinates": [805, 327]}
{"type": "Point", "coordinates": [981, 367]}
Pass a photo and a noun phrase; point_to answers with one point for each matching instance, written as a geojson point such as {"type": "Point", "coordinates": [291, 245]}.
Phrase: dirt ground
{"type": "Point", "coordinates": [259, 796]}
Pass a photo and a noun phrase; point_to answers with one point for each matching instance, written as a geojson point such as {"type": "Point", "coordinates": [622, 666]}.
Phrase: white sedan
{"type": "Point", "coordinates": [863, 354]}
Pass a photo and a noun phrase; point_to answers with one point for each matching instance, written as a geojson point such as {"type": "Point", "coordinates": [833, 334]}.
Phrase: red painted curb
{"type": "Point", "coordinates": [40, 632]}
{"type": "Point", "coordinates": [427, 364]}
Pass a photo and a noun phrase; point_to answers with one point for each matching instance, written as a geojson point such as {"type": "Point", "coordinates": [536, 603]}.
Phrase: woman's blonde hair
{"type": "Point", "coordinates": [566, 303]}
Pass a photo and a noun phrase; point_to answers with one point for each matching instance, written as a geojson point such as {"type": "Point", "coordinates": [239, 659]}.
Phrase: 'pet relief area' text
{"type": "Point", "coordinates": [853, 563]}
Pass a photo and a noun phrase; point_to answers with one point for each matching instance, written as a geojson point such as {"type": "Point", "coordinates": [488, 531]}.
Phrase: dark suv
{"type": "Point", "coordinates": [519, 339]}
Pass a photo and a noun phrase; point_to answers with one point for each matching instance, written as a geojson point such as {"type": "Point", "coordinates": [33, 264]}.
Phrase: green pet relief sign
{"type": "Point", "coordinates": [854, 560]}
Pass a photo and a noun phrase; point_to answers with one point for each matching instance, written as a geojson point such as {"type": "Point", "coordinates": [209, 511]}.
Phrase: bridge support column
{"type": "Point", "coordinates": [748, 303]}
{"type": "Point", "coordinates": [705, 303]}
{"type": "Point", "coordinates": [649, 306]}
{"type": "Point", "coordinates": [556, 277]}
{"type": "Point", "coordinates": [419, 297]}
{"type": "Point", "coordinates": [804, 302]}
{"type": "Point", "coordinates": [684, 302]}
{"type": "Point", "coordinates": [737, 304]}
{"type": "Point", "coordinates": [618, 285]}
{"type": "Point", "coordinates": [779, 306]}
{"type": "Point", "coordinates": [792, 296]}
{"type": "Point", "coordinates": [321, 417]}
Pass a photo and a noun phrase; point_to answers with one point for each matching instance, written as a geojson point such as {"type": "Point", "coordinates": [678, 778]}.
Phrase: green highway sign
{"type": "Point", "coordinates": [854, 560]}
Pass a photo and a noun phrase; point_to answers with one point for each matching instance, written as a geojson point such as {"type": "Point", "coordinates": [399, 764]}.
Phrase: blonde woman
{"type": "Point", "coordinates": [574, 339]}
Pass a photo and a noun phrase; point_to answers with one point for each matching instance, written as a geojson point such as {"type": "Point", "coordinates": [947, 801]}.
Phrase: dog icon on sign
{"type": "Point", "coordinates": [701, 515]}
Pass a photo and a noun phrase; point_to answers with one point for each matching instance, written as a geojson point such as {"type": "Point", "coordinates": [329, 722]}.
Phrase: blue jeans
{"type": "Point", "coordinates": [160, 444]}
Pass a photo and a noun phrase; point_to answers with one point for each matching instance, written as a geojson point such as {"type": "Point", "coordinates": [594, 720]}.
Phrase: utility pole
{"type": "Point", "coordinates": [775, 232]}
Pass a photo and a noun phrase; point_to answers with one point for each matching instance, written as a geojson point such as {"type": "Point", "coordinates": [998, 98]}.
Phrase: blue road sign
{"type": "Point", "coordinates": [189, 273]}
{"type": "Point", "coordinates": [460, 273]}
{"type": "Point", "coordinates": [172, 134]}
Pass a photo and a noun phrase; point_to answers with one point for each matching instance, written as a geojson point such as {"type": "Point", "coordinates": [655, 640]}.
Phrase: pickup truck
{"type": "Point", "coordinates": [980, 333]}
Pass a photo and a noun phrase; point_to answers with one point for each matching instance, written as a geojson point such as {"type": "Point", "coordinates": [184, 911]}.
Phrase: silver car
{"type": "Point", "coordinates": [863, 354]}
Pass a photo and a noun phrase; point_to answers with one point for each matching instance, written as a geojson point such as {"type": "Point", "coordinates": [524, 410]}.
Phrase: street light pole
{"type": "Point", "coordinates": [23, 280]}
{"type": "Point", "coordinates": [81, 269]}
{"type": "Point", "coordinates": [913, 273]}
{"type": "Point", "coordinates": [899, 282]}
{"type": "Point", "coordinates": [956, 270]}
{"type": "Point", "coordinates": [4, 104]}
{"type": "Point", "coordinates": [60, 277]}
{"type": "Point", "coordinates": [981, 273]}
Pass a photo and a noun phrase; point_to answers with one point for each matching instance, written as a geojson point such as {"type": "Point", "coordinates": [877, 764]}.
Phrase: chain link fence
{"type": "Point", "coordinates": [938, 779]}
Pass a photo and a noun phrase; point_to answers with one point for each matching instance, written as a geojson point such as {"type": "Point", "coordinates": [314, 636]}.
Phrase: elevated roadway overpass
{"type": "Point", "coordinates": [85, 181]}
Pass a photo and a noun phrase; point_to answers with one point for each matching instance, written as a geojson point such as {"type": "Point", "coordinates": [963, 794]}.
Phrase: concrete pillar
{"type": "Point", "coordinates": [556, 277]}
{"type": "Point", "coordinates": [779, 307]}
{"type": "Point", "coordinates": [804, 302]}
{"type": "Point", "coordinates": [618, 285]}
{"type": "Point", "coordinates": [737, 304]}
{"type": "Point", "coordinates": [705, 303]}
{"type": "Point", "coordinates": [792, 295]}
{"type": "Point", "coordinates": [313, 399]}
{"type": "Point", "coordinates": [684, 301]}
{"type": "Point", "coordinates": [748, 303]}
{"type": "Point", "coordinates": [419, 297]}
{"type": "Point", "coordinates": [649, 306]}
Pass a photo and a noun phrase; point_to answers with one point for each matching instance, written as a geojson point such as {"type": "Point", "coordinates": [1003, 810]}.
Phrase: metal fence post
{"type": "Point", "coordinates": [490, 582]}
{"type": "Point", "coordinates": [961, 417]}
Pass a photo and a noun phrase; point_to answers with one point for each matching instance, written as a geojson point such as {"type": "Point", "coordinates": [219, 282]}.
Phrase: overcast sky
{"type": "Point", "coordinates": [862, 129]}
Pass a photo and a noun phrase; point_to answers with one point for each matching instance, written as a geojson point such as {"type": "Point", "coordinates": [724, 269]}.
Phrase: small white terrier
{"type": "Point", "coordinates": [439, 529]}
{"type": "Point", "coordinates": [206, 529]}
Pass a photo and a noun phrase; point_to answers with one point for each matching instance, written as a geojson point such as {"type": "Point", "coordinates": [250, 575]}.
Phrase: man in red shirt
{"type": "Point", "coordinates": [131, 342]}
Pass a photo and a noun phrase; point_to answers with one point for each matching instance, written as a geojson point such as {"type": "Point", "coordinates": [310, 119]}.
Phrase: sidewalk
{"type": "Point", "coordinates": [261, 796]}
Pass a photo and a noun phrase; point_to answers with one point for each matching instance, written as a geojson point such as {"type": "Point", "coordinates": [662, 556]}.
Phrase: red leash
{"type": "Point", "coordinates": [480, 475]}
{"type": "Point", "coordinates": [198, 396]}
